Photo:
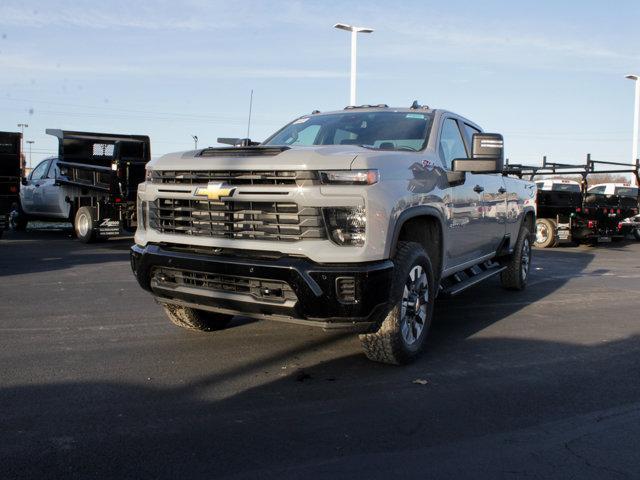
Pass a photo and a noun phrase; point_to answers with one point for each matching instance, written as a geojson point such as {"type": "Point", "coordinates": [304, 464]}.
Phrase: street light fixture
{"type": "Point", "coordinates": [195, 141]}
{"type": "Point", "coordinates": [636, 117]}
{"type": "Point", "coordinates": [354, 33]}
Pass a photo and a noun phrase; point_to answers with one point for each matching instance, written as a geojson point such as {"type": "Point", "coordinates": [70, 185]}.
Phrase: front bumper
{"type": "Point", "coordinates": [315, 286]}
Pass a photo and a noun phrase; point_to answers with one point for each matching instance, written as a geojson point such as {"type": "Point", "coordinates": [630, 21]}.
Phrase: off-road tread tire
{"type": "Point", "coordinates": [386, 344]}
{"type": "Point", "coordinates": [552, 240]}
{"type": "Point", "coordinates": [199, 320]}
{"type": "Point", "coordinates": [511, 278]}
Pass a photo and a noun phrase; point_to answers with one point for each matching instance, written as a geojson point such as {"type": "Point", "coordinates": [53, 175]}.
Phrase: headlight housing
{"type": "Point", "coordinates": [349, 177]}
{"type": "Point", "coordinates": [148, 175]}
{"type": "Point", "coordinates": [346, 225]}
{"type": "Point", "coordinates": [142, 213]}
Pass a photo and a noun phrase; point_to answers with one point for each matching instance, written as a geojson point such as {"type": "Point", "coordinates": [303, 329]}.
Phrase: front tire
{"type": "Point", "coordinates": [401, 335]}
{"type": "Point", "coordinates": [83, 224]}
{"type": "Point", "coordinates": [193, 319]}
{"type": "Point", "coordinates": [546, 233]}
{"type": "Point", "coordinates": [517, 272]}
{"type": "Point", "coordinates": [636, 234]}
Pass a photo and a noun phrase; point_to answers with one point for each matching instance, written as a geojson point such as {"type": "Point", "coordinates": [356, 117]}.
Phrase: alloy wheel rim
{"type": "Point", "coordinates": [83, 225]}
{"type": "Point", "coordinates": [413, 307]}
{"type": "Point", "coordinates": [541, 233]}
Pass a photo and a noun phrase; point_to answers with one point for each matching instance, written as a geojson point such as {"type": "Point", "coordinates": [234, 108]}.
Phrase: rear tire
{"type": "Point", "coordinates": [517, 272]}
{"type": "Point", "coordinates": [83, 224]}
{"type": "Point", "coordinates": [193, 319]}
{"type": "Point", "coordinates": [546, 233]}
{"type": "Point", "coordinates": [401, 335]}
{"type": "Point", "coordinates": [636, 234]}
{"type": "Point", "coordinates": [18, 220]}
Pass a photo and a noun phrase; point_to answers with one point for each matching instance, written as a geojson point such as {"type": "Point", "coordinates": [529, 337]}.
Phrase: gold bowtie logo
{"type": "Point", "coordinates": [215, 191]}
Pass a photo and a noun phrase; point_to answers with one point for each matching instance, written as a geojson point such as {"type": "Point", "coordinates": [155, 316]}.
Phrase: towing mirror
{"type": "Point", "coordinates": [487, 155]}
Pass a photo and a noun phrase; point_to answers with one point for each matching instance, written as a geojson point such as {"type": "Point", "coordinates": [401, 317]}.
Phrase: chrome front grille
{"type": "Point", "coordinates": [282, 221]}
{"type": "Point", "coordinates": [236, 177]}
{"type": "Point", "coordinates": [269, 290]}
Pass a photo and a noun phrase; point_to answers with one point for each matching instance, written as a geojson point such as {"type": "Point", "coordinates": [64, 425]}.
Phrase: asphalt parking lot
{"type": "Point", "coordinates": [95, 381]}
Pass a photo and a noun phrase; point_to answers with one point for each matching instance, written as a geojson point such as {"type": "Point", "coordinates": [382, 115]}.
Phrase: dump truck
{"type": "Point", "coordinates": [92, 183]}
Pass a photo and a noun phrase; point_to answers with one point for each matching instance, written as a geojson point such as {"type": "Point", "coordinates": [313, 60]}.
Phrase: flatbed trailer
{"type": "Point", "coordinates": [580, 217]}
{"type": "Point", "coordinates": [10, 173]}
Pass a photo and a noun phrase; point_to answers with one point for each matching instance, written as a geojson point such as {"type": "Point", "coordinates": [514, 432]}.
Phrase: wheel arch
{"type": "Point", "coordinates": [422, 225]}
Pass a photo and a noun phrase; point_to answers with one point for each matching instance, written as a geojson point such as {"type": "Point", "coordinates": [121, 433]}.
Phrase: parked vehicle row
{"type": "Point", "coordinates": [355, 219]}
{"type": "Point", "coordinates": [571, 211]}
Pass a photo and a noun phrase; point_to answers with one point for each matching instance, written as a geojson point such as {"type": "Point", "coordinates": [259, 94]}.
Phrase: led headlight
{"type": "Point", "coordinates": [142, 213]}
{"type": "Point", "coordinates": [350, 177]}
{"type": "Point", "coordinates": [346, 225]}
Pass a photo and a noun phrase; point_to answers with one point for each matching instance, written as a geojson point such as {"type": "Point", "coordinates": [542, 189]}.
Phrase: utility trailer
{"type": "Point", "coordinates": [93, 183]}
{"type": "Point", "coordinates": [576, 214]}
{"type": "Point", "coordinates": [10, 173]}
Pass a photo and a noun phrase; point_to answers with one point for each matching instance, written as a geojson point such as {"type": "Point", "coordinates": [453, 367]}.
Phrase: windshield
{"type": "Point", "coordinates": [627, 191]}
{"type": "Point", "coordinates": [378, 130]}
{"type": "Point", "coordinates": [565, 187]}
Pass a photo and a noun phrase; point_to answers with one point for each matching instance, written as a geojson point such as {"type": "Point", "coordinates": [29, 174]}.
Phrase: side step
{"type": "Point", "coordinates": [460, 281]}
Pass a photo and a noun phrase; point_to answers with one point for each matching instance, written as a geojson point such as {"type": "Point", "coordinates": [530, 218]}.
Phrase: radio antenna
{"type": "Point", "coordinates": [250, 106]}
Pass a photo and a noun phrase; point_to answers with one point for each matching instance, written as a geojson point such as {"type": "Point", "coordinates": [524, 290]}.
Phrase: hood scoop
{"type": "Point", "coordinates": [257, 151]}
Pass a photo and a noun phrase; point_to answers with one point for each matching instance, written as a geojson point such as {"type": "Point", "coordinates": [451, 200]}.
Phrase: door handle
{"type": "Point", "coordinates": [478, 189]}
{"type": "Point", "coordinates": [502, 190]}
{"type": "Point", "coordinates": [37, 185]}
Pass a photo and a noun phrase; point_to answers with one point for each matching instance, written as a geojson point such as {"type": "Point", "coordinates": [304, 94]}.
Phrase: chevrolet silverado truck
{"type": "Point", "coordinates": [351, 219]}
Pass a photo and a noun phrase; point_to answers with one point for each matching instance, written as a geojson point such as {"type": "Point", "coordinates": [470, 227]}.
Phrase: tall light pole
{"type": "Point", "coordinates": [22, 126]}
{"type": "Point", "coordinates": [636, 117]}
{"type": "Point", "coordinates": [354, 35]}
{"type": "Point", "coordinates": [195, 141]}
{"type": "Point", "coordinates": [30, 142]}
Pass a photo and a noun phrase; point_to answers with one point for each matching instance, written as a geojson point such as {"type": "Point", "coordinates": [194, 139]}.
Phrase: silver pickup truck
{"type": "Point", "coordinates": [354, 219]}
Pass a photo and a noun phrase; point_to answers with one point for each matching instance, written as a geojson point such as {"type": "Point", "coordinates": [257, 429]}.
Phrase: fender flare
{"type": "Point", "coordinates": [420, 211]}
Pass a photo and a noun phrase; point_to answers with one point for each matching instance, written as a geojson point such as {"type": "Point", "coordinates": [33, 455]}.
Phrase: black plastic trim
{"type": "Point", "coordinates": [313, 283]}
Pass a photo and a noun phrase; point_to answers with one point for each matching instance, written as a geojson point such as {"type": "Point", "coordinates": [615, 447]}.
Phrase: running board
{"type": "Point", "coordinates": [460, 281]}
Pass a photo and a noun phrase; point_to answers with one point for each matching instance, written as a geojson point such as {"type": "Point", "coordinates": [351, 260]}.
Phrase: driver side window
{"type": "Point", "coordinates": [40, 171]}
{"type": "Point", "coordinates": [451, 144]}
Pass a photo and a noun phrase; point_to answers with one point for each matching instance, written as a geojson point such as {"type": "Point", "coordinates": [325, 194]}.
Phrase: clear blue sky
{"type": "Point", "coordinates": [549, 75]}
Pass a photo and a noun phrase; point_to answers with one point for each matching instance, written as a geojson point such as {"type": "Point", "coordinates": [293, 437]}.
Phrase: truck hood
{"type": "Point", "coordinates": [295, 158]}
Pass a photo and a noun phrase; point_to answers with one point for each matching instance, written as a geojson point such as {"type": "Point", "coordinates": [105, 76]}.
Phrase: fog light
{"type": "Point", "coordinates": [346, 225]}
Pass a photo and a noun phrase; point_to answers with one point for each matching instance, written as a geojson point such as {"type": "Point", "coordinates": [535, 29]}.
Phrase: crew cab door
{"type": "Point", "coordinates": [466, 228]}
{"type": "Point", "coordinates": [52, 194]}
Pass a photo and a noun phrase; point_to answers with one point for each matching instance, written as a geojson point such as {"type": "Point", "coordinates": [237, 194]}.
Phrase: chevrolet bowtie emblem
{"type": "Point", "coordinates": [215, 191]}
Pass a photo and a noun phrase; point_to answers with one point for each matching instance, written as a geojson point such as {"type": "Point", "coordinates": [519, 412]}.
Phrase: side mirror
{"type": "Point", "coordinates": [24, 181]}
{"type": "Point", "coordinates": [487, 155]}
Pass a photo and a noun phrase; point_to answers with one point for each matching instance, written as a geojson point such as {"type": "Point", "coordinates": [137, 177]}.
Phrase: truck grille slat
{"type": "Point", "coordinates": [236, 177]}
{"type": "Point", "coordinates": [243, 220]}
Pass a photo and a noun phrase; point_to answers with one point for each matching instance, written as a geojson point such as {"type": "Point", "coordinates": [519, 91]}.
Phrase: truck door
{"type": "Point", "coordinates": [496, 211]}
{"type": "Point", "coordinates": [465, 223]}
{"type": "Point", "coordinates": [29, 193]}
{"type": "Point", "coordinates": [53, 201]}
